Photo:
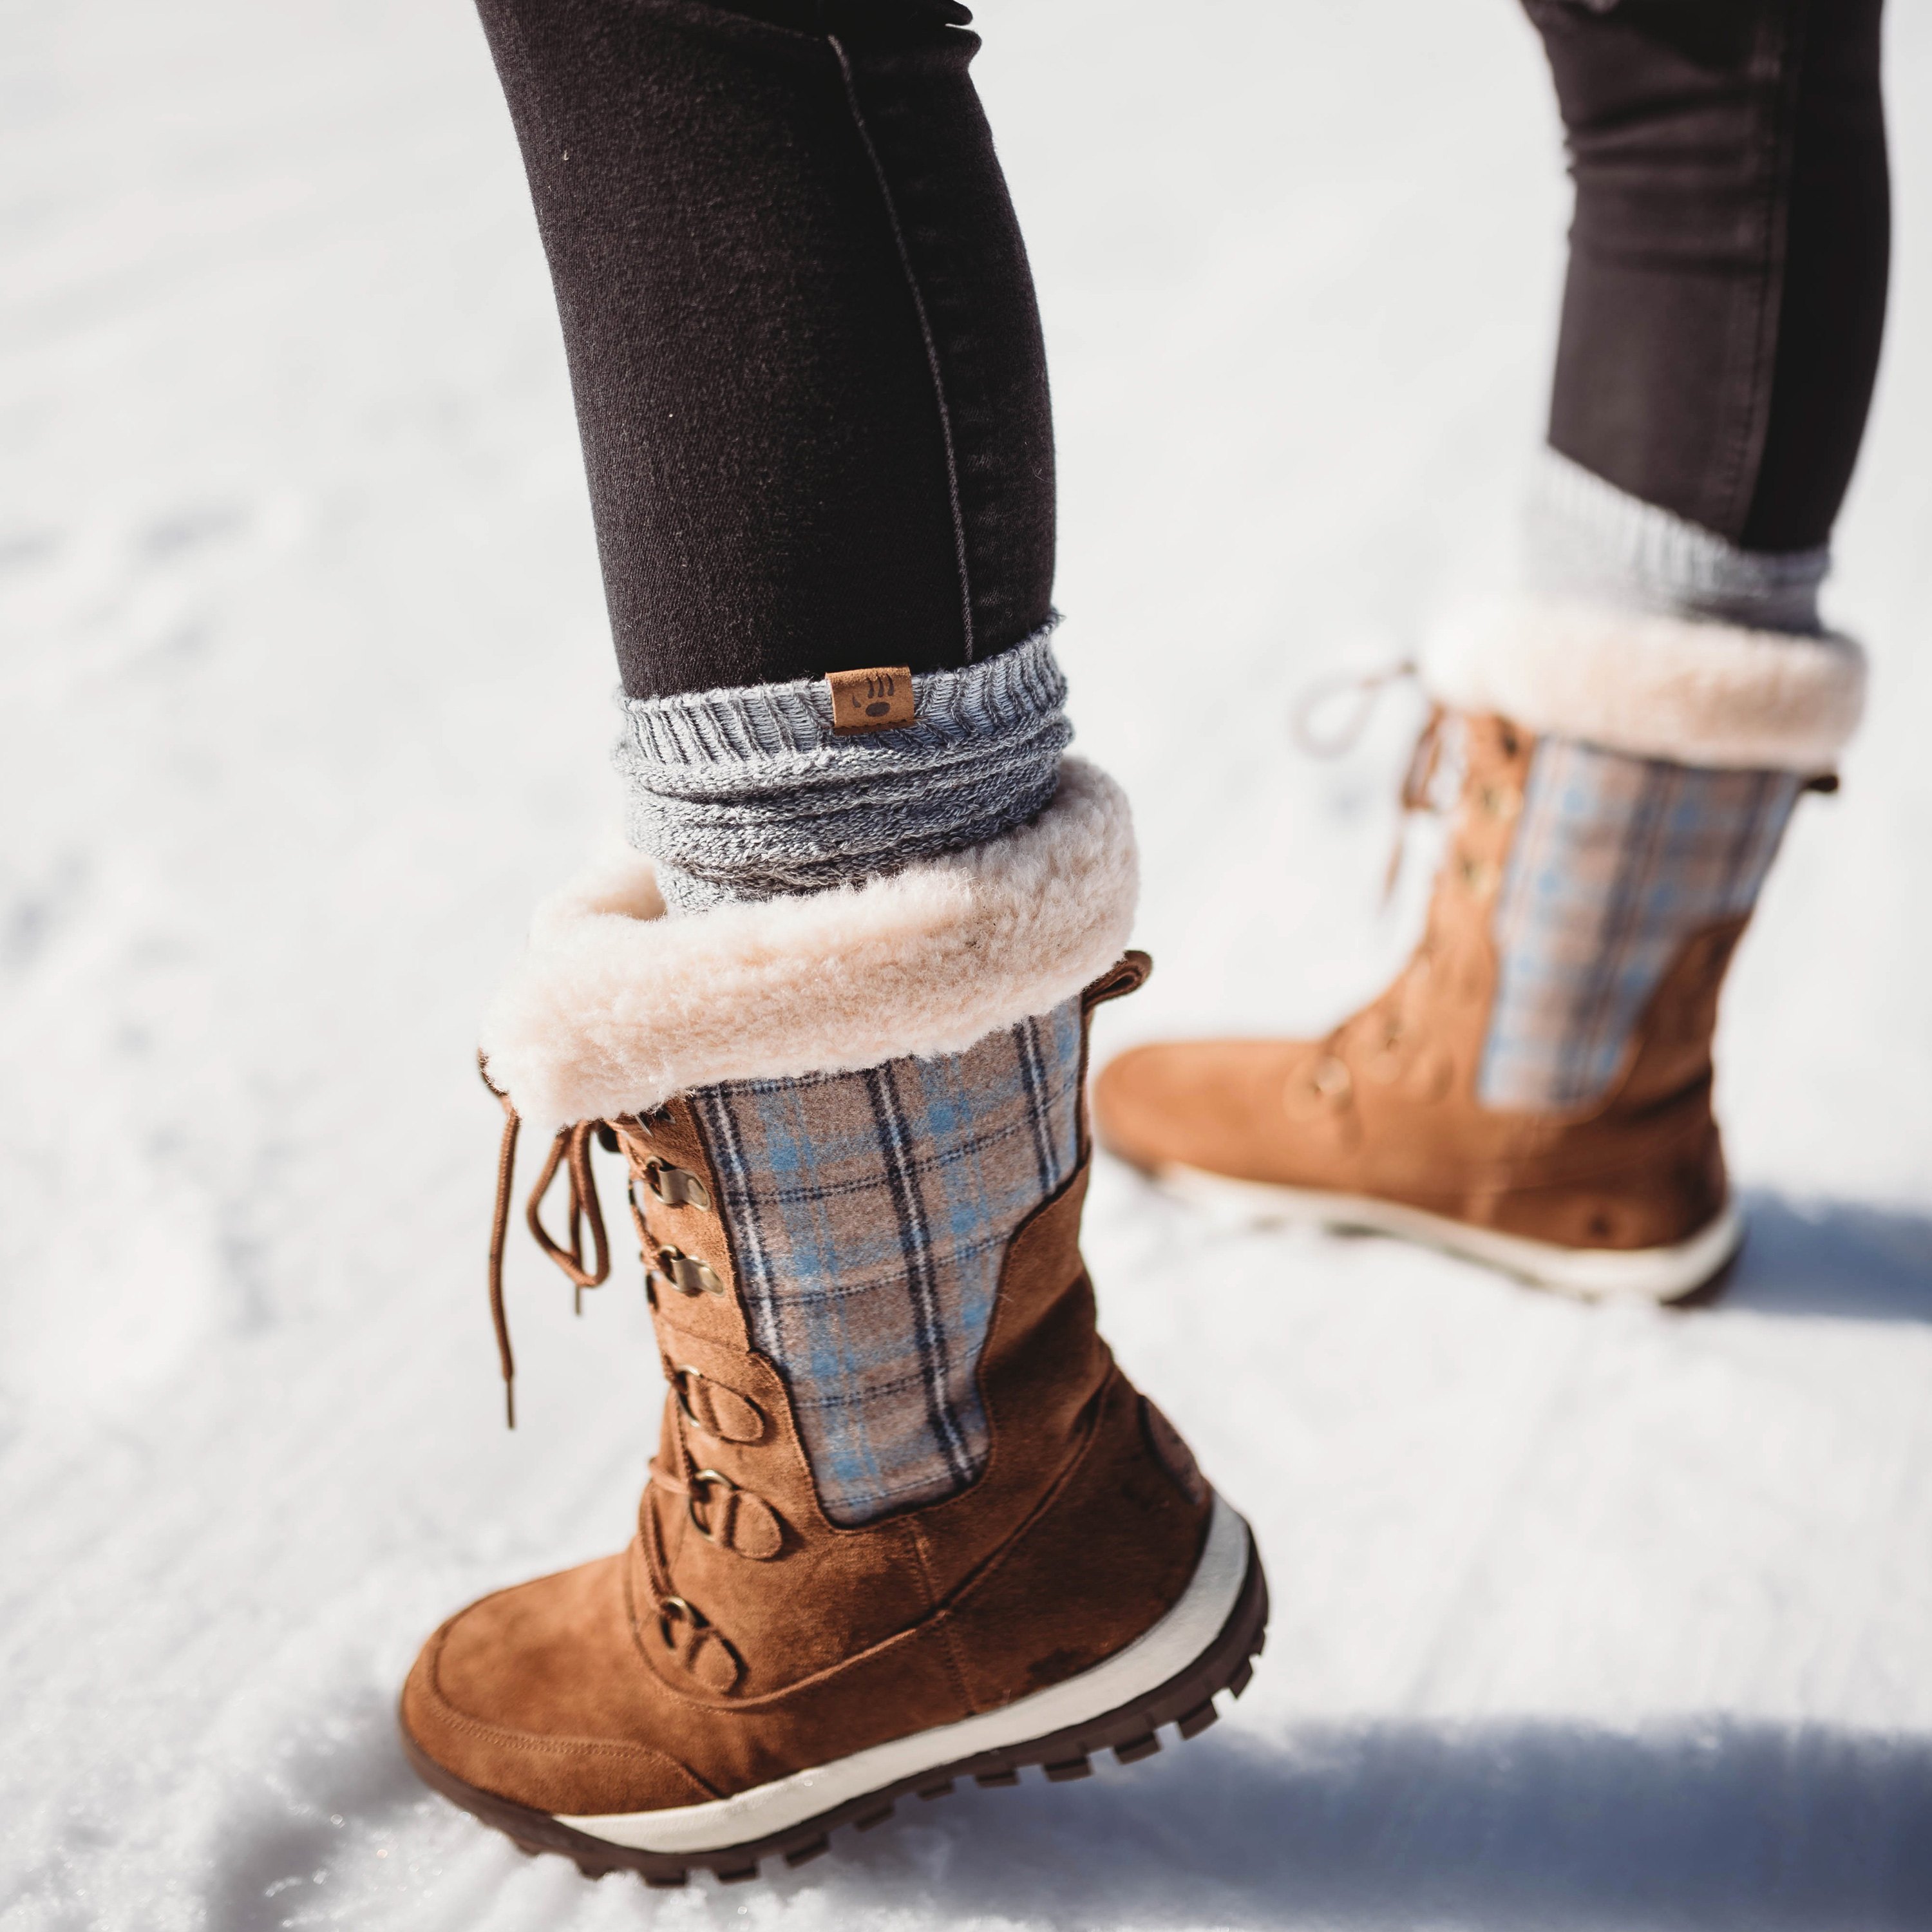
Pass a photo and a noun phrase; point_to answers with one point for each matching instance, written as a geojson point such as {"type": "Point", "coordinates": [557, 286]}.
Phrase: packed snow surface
{"type": "Point", "coordinates": [1581, 1617]}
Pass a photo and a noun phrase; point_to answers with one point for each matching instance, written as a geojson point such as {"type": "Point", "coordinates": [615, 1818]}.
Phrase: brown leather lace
{"type": "Point", "coordinates": [1418, 782]}
{"type": "Point", "coordinates": [686, 1632]}
{"type": "Point", "coordinates": [1415, 793]}
{"type": "Point", "coordinates": [570, 1149]}
{"type": "Point", "coordinates": [1425, 757]}
{"type": "Point", "coordinates": [1367, 687]}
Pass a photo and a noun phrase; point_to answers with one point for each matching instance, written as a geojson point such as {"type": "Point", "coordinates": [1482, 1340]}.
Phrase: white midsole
{"type": "Point", "coordinates": [1144, 1666]}
{"type": "Point", "coordinates": [1591, 1274]}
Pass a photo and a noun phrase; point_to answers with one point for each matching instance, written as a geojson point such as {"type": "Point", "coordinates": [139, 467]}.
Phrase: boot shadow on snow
{"type": "Point", "coordinates": [1840, 1259]}
{"type": "Point", "coordinates": [1499, 1824]}
{"type": "Point", "coordinates": [1830, 1257]}
{"type": "Point", "coordinates": [1494, 1825]}
{"type": "Point", "coordinates": [294, 1834]}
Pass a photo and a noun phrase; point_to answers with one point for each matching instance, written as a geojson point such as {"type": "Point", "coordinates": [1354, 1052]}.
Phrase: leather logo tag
{"type": "Point", "coordinates": [870, 700]}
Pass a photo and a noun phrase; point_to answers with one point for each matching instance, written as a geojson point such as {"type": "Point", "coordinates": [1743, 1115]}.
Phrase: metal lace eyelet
{"type": "Point", "coordinates": [1388, 1057]}
{"type": "Point", "coordinates": [674, 1186]}
{"type": "Point", "coordinates": [679, 1387]}
{"type": "Point", "coordinates": [702, 1482]}
{"type": "Point", "coordinates": [1332, 1080]}
{"type": "Point", "coordinates": [722, 1411]}
{"type": "Point", "coordinates": [1499, 801]}
{"type": "Point", "coordinates": [675, 1610]}
{"type": "Point", "coordinates": [1480, 875]}
{"type": "Point", "coordinates": [686, 1273]}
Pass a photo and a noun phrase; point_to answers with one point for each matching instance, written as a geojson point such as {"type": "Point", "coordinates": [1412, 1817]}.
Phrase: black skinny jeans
{"type": "Point", "coordinates": [1726, 295]}
{"type": "Point", "coordinates": [808, 362]}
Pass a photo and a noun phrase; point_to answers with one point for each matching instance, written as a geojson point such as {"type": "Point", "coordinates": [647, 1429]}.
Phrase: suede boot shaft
{"type": "Point", "coordinates": [1534, 1088]}
{"type": "Point", "coordinates": [930, 1531]}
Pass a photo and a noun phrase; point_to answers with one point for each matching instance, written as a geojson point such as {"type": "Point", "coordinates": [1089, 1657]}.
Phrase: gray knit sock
{"type": "Point", "coordinates": [747, 794]}
{"type": "Point", "coordinates": [1587, 539]}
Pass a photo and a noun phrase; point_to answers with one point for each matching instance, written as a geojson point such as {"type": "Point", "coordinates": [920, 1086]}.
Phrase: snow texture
{"type": "Point", "coordinates": [1582, 1619]}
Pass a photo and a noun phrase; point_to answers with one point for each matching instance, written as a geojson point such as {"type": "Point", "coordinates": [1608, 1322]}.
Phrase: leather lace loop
{"type": "Point", "coordinates": [725, 1512]}
{"type": "Point", "coordinates": [714, 1409]}
{"type": "Point", "coordinates": [695, 1643]}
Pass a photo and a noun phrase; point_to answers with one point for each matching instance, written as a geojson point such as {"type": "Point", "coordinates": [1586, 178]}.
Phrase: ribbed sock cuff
{"type": "Point", "coordinates": [1585, 539]}
{"type": "Point", "coordinates": [614, 1008]}
{"type": "Point", "coordinates": [748, 794]}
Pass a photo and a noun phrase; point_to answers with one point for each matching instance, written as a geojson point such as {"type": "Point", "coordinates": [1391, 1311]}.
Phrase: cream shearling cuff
{"type": "Point", "coordinates": [1691, 692]}
{"type": "Point", "coordinates": [616, 1007]}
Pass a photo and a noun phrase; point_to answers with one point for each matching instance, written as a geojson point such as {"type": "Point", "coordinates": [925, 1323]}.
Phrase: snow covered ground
{"type": "Point", "coordinates": [1583, 1618]}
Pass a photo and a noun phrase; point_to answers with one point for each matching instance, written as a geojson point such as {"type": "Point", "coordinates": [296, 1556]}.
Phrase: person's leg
{"type": "Point", "coordinates": [1725, 293]}
{"type": "Point", "coordinates": [1722, 319]}
{"type": "Point", "coordinates": [812, 395]}
{"type": "Point", "coordinates": [1534, 1088]}
{"type": "Point", "coordinates": [905, 1516]}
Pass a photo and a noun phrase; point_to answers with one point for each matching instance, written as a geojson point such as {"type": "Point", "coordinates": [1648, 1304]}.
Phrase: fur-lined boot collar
{"type": "Point", "coordinates": [1681, 688]}
{"type": "Point", "coordinates": [616, 1007]}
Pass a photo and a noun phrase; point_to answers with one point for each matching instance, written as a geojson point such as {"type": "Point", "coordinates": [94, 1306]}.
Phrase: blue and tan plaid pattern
{"type": "Point", "coordinates": [1617, 862]}
{"type": "Point", "coordinates": [870, 1214]}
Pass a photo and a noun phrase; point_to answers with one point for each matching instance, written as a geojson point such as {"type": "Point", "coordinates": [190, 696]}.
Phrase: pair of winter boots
{"type": "Point", "coordinates": [1020, 1563]}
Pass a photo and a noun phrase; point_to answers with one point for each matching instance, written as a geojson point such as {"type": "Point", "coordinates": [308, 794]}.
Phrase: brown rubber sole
{"type": "Point", "coordinates": [1186, 1701]}
{"type": "Point", "coordinates": [1664, 1276]}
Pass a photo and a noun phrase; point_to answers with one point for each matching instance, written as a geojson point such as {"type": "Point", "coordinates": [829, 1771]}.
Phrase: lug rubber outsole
{"type": "Point", "coordinates": [1655, 1275]}
{"type": "Point", "coordinates": [1130, 1731]}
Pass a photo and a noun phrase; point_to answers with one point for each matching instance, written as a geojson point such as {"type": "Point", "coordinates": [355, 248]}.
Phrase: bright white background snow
{"type": "Point", "coordinates": [1582, 1619]}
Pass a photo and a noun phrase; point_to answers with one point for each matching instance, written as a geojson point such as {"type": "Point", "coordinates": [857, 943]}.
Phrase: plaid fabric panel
{"type": "Point", "coordinates": [1616, 862]}
{"type": "Point", "coordinates": [871, 1213]}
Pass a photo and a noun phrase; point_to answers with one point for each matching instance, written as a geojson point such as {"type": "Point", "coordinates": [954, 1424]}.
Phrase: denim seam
{"type": "Point", "coordinates": [1758, 317]}
{"type": "Point", "coordinates": [932, 357]}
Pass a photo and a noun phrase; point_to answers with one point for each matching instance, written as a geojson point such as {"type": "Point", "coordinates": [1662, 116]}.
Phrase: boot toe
{"type": "Point", "coordinates": [537, 1694]}
{"type": "Point", "coordinates": [1209, 1103]}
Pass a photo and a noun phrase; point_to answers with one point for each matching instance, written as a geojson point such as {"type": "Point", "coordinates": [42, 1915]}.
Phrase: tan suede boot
{"type": "Point", "coordinates": [1384, 1124]}
{"type": "Point", "coordinates": [750, 1673]}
